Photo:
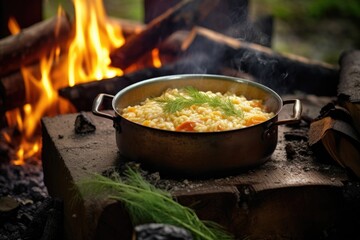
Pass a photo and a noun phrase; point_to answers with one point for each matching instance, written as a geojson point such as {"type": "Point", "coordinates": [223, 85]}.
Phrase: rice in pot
{"type": "Point", "coordinates": [188, 109]}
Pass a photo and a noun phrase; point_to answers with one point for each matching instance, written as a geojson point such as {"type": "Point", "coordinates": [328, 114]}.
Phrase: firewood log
{"type": "Point", "coordinates": [34, 42]}
{"type": "Point", "coordinates": [12, 85]}
{"type": "Point", "coordinates": [349, 85]}
{"type": "Point", "coordinates": [13, 92]}
{"type": "Point", "coordinates": [83, 95]}
{"type": "Point", "coordinates": [334, 139]}
{"type": "Point", "coordinates": [285, 73]}
{"type": "Point", "coordinates": [128, 27]}
{"type": "Point", "coordinates": [183, 15]}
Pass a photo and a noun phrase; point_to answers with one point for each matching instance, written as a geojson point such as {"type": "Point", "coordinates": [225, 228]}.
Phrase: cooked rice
{"type": "Point", "coordinates": [198, 118]}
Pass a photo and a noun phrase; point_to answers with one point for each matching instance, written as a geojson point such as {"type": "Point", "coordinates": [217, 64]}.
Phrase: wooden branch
{"type": "Point", "coordinates": [285, 73]}
{"type": "Point", "coordinates": [183, 15]}
{"type": "Point", "coordinates": [33, 42]}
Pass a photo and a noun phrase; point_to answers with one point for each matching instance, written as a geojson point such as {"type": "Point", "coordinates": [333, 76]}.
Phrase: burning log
{"type": "Point", "coordinates": [13, 92]}
{"type": "Point", "coordinates": [83, 95]}
{"type": "Point", "coordinates": [284, 73]}
{"type": "Point", "coordinates": [181, 16]}
{"type": "Point", "coordinates": [205, 51]}
{"type": "Point", "coordinates": [42, 39]}
{"type": "Point", "coordinates": [128, 27]}
{"type": "Point", "coordinates": [34, 42]}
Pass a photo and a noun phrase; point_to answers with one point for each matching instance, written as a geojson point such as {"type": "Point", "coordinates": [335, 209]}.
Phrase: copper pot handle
{"type": "Point", "coordinates": [97, 104]}
{"type": "Point", "coordinates": [296, 117]}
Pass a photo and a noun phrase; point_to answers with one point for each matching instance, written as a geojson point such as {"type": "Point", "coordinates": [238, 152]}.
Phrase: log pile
{"type": "Point", "coordinates": [230, 56]}
{"type": "Point", "coordinates": [335, 134]}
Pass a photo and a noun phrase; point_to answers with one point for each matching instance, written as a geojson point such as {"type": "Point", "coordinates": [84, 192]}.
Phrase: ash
{"type": "Point", "coordinates": [26, 209]}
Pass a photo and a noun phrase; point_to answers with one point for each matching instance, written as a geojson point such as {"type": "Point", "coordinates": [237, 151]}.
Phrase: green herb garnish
{"type": "Point", "coordinates": [172, 105]}
{"type": "Point", "coordinates": [148, 204]}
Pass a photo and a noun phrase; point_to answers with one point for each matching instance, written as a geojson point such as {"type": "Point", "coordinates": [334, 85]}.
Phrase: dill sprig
{"type": "Point", "coordinates": [195, 97]}
{"type": "Point", "coordinates": [148, 204]}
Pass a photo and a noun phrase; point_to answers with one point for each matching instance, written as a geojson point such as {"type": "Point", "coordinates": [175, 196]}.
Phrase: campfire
{"type": "Point", "coordinates": [52, 71]}
{"type": "Point", "coordinates": [44, 67]}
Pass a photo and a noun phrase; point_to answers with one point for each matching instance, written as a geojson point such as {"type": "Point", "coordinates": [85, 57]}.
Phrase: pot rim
{"type": "Point", "coordinates": [184, 76]}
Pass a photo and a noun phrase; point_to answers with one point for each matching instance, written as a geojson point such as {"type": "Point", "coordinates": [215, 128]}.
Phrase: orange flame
{"type": "Point", "coordinates": [13, 26]}
{"type": "Point", "coordinates": [156, 58]}
{"type": "Point", "coordinates": [95, 38]}
{"type": "Point", "coordinates": [88, 60]}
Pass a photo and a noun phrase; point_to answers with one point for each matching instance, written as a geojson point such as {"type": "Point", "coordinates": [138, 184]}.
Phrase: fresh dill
{"type": "Point", "coordinates": [148, 204]}
{"type": "Point", "coordinates": [195, 97]}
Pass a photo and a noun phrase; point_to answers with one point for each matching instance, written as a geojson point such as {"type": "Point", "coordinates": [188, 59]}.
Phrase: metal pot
{"type": "Point", "coordinates": [197, 153]}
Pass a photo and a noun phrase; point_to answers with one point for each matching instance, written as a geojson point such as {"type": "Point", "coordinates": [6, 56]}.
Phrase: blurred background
{"type": "Point", "coordinates": [316, 29]}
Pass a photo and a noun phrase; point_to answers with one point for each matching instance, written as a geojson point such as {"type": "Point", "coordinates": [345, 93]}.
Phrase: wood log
{"type": "Point", "coordinates": [83, 95]}
{"type": "Point", "coordinates": [232, 14]}
{"type": "Point", "coordinates": [128, 27]}
{"type": "Point", "coordinates": [13, 92]}
{"type": "Point", "coordinates": [349, 84]}
{"type": "Point", "coordinates": [204, 51]}
{"type": "Point", "coordinates": [285, 73]}
{"type": "Point", "coordinates": [12, 85]}
{"type": "Point", "coordinates": [183, 15]}
{"type": "Point", "coordinates": [12, 89]}
{"type": "Point", "coordinates": [333, 138]}
{"type": "Point", "coordinates": [33, 42]}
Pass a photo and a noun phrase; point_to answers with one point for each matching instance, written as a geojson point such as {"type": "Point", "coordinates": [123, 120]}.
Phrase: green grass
{"type": "Point", "coordinates": [128, 9]}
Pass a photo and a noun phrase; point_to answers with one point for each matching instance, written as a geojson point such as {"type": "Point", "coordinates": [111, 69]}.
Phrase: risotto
{"type": "Point", "coordinates": [191, 110]}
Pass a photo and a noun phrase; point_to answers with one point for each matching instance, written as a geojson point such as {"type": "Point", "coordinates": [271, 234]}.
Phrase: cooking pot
{"type": "Point", "coordinates": [196, 153]}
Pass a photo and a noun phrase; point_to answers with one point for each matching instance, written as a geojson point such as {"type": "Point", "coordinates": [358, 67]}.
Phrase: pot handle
{"type": "Point", "coordinates": [296, 117]}
{"type": "Point", "coordinates": [297, 110]}
{"type": "Point", "coordinates": [97, 103]}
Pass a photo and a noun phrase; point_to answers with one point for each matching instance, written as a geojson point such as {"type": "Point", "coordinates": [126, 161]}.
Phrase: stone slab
{"type": "Point", "coordinates": [297, 198]}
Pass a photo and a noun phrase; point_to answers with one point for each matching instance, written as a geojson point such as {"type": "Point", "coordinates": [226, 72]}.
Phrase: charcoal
{"type": "Point", "coordinates": [83, 124]}
{"type": "Point", "coordinates": [157, 231]}
{"type": "Point", "coordinates": [24, 184]}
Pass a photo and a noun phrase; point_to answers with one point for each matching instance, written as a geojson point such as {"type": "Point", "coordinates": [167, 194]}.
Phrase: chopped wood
{"type": "Point", "coordinates": [183, 15]}
{"type": "Point", "coordinates": [333, 138]}
{"type": "Point", "coordinates": [34, 42]}
{"type": "Point", "coordinates": [349, 84]}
